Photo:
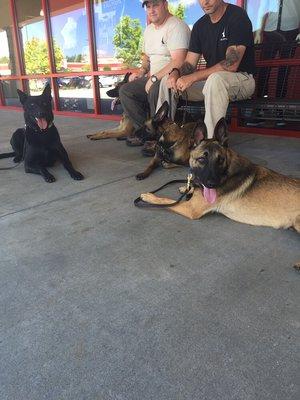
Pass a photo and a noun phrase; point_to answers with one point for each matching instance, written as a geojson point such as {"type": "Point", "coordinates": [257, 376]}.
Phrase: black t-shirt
{"type": "Point", "coordinates": [212, 39]}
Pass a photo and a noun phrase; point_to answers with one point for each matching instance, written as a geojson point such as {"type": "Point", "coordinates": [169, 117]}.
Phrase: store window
{"type": "Point", "coordinates": [8, 65]}
{"type": "Point", "coordinates": [75, 94]}
{"type": "Point", "coordinates": [34, 44]}
{"type": "Point", "coordinates": [9, 88]}
{"type": "Point", "coordinates": [118, 30]}
{"type": "Point", "coordinates": [70, 35]}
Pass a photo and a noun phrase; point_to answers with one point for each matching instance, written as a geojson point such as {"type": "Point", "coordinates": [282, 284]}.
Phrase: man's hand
{"type": "Point", "coordinates": [148, 85]}
{"type": "Point", "coordinates": [184, 82]}
{"type": "Point", "coordinates": [133, 76]}
{"type": "Point", "coordinates": [172, 79]}
{"type": "Point", "coordinates": [257, 36]}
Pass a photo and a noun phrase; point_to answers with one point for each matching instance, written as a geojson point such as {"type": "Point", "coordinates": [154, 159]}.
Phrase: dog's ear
{"type": "Point", "coordinates": [200, 132]}
{"type": "Point", "coordinates": [161, 114]}
{"type": "Point", "coordinates": [126, 77]}
{"type": "Point", "coordinates": [22, 96]}
{"type": "Point", "coordinates": [47, 91]}
{"type": "Point", "coordinates": [220, 132]}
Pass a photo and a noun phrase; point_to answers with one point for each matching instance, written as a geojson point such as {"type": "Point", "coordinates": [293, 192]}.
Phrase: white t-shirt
{"type": "Point", "coordinates": [290, 17]}
{"type": "Point", "coordinates": [174, 34]}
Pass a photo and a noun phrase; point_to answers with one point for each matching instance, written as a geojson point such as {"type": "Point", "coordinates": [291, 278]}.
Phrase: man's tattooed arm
{"type": "Point", "coordinates": [232, 56]}
{"type": "Point", "coordinates": [187, 68]}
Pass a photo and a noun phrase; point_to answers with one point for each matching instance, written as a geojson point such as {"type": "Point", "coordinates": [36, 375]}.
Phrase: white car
{"type": "Point", "coordinates": [107, 80]}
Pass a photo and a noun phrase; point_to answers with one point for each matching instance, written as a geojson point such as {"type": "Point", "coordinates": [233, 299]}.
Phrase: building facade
{"type": "Point", "coordinates": [81, 47]}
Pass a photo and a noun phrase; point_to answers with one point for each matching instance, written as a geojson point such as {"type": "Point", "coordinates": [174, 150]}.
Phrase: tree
{"type": "Point", "coordinates": [178, 11]}
{"type": "Point", "coordinates": [127, 41]}
{"type": "Point", "coordinates": [37, 58]}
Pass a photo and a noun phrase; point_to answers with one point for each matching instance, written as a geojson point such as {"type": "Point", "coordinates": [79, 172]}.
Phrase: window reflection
{"type": "Point", "coordinates": [112, 16]}
{"type": "Point", "coordinates": [36, 86]}
{"type": "Point", "coordinates": [7, 49]}
{"type": "Point", "coordinates": [10, 92]}
{"type": "Point", "coordinates": [31, 24]}
{"type": "Point", "coordinates": [107, 103]}
{"type": "Point", "coordinates": [76, 94]}
{"type": "Point", "coordinates": [70, 35]}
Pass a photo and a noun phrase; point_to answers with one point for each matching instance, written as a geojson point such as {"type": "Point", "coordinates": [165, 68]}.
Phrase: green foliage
{"type": "Point", "coordinates": [178, 11]}
{"type": "Point", "coordinates": [127, 41]}
{"type": "Point", "coordinates": [37, 58]}
{"type": "Point", "coordinates": [4, 60]}
{"type": "Point", "coordinates": [107, 68]}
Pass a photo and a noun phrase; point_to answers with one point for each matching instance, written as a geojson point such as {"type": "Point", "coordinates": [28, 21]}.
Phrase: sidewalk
{"type": "Point", "coordinates": [104, 301]}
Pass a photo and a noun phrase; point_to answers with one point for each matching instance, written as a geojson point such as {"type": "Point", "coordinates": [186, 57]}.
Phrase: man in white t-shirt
{"type": "Point", "coordinates": [165, 45]}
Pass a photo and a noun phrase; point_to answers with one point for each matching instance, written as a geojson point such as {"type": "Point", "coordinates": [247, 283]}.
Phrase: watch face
{"type": "Point", "coordinates": [153, 78]}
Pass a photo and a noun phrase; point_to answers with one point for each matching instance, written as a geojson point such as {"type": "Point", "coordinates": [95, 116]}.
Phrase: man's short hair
{"type": "Point", "coordinates": [151, 1]}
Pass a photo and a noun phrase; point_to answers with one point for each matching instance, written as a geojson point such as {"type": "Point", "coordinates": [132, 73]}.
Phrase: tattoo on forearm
{"type": "Point", "coordinates": [186, 68]}
{"type": "Point", "coordinates": [232, 56]}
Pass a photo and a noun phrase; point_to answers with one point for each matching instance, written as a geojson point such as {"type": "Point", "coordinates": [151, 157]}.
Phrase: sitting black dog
{"type": "Point", "coordinates": [38, 144]}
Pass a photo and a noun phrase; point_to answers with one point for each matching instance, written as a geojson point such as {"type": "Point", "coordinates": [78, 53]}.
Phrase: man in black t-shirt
{"type": "Point", "coordinates": [223, 36]}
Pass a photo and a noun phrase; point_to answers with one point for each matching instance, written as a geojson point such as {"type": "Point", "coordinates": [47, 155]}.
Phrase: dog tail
{"type": "Point", "coordinates": [7, 155]}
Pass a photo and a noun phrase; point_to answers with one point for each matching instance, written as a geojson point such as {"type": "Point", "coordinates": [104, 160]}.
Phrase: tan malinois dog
{"type": "Point", "coordinates": [230, 184]}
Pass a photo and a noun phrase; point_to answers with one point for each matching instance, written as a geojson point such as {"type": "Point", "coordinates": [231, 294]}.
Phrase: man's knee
{"type": "Point", "coordinates": [124, 90]}
{"type": "Point", "coordinates": [216, 82]}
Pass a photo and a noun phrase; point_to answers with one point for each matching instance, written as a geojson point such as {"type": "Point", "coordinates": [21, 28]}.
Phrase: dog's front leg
{"type": "Point", "coordinates": [194, 208]}
{"type": "Point", "coordinates": [155, 162]}
{"type": "Point", "coordinates": [40, 171]}
{"type": "Point", "coordinates": [64, 158]}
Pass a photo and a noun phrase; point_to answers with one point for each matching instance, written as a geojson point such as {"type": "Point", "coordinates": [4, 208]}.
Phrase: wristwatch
{"type": "Point", "coordinates": [153, 78]}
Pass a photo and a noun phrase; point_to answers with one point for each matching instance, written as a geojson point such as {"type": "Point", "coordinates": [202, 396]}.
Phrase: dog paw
{"type": "Point", "coordinates": [182, 189]}
{"type": "Point", "coordinates": [149, 197]}
{"type": "Point", "coordinates": [141, 176]}
{"type": "Point", "coordinates": [77, 176]}
{"type": "Point", "coordinates": [49, 178]}
{"type": "Point", "coordinates": [94, 136]}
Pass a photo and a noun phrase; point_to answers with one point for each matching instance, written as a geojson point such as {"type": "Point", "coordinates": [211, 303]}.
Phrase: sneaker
{"type": "Point", "coordinates": [134, 141]}
{"type": "Point", "coordinates": [149, 149]}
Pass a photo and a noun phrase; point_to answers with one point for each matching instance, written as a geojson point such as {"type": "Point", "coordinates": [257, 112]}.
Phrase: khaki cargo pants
{"type": "Point", "coordinates": [217, 91]}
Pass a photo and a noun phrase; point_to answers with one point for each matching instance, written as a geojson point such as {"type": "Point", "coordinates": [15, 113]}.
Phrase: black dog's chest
{"type": "Point", "coordinates": [40, 147]}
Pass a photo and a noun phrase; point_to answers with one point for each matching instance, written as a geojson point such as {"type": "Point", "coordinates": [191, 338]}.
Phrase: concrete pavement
{"type": "Point", "coordinates": [103, 301]}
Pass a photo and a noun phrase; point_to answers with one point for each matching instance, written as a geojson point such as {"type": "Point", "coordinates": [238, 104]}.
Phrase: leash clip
{"type": "Point", "coordinates": [188, 183]}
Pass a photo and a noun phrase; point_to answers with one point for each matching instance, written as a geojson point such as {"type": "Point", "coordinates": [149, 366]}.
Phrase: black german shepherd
{"type": "Point", "coordinates": [38, 144]}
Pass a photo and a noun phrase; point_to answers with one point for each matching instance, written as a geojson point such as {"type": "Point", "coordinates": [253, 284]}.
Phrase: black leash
{"type": "Point", "coordinates": [185, 107]}
{"type": "Point", "coordinates": [139, 202]}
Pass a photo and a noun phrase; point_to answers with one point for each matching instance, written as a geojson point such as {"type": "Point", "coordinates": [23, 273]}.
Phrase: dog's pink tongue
{"type": "Point", "coordinates": [42, 123]}
{"type": "Point", "coordinates": [210, 195]}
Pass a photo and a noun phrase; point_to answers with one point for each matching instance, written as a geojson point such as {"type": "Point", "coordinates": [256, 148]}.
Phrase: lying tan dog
{"type": "Point", "coordinates": [125, 127]}
{"type": "Point", "coordinates": [227, 183]}
{"type": "Point", "coordinates": [174, 141]}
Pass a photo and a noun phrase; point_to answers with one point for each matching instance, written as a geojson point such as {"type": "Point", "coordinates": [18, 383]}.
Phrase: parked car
{"type": "Point", "coordinates": [107, 80]}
